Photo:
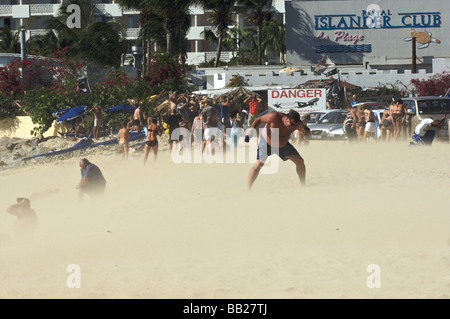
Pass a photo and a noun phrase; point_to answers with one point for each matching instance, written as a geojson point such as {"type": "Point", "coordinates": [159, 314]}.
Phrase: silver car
{"type": "Point", "coordinates": [329, 126]}
{"type": "Point", "coordinates": [313, 117]}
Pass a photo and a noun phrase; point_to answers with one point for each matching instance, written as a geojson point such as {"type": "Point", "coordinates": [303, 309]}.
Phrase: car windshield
{"type": "Point", "coordinates": [375, 106]}
{"type": "Point", "coordinates": [433, 106]}
{"type": "Point", "coordinates": [314, 117]}
{"type": "Point", "coordinates": [333, 118]}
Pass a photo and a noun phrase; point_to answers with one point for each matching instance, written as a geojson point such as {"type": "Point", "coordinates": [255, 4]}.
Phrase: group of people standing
{"type": "Point", "coordinates": [361, 123]}
{"type": "Point", "coordinates": [204, 118]}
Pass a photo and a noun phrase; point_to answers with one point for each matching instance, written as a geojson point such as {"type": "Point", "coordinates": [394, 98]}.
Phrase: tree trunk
{"type": "Point", "coordinates": [219, 49]}
{"type": "Point", "coordinates": [144, 61]}
{"type": "Point", "coordinates": [169, 42]}
{"type": "Point", "coordinates": [149, 52]}
{"type": "Point", "coordinates": [258, 34]}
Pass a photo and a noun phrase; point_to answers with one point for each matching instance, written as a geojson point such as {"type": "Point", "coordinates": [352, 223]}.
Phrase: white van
{"type": "Point", "coordinates": [428, 107]}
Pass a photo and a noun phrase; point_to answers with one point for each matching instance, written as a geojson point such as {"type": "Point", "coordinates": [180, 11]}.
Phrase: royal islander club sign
{"type": "Point", "coordinates": [301, 100]}
{"type": "Point", "coordinates": [360, 31]}
{"type": "Point", "coordinates": [374, 17]}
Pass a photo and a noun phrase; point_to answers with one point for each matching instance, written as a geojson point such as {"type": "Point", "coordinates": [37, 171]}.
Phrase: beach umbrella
{"type": "Point", "coordinates": [121, 108]}
{"type": "Point", "coordinates": [58, 113]}
{"type": "Point", "coordinates": [289, 69]}
{"type": "Point", "coordinates": [72, 113]}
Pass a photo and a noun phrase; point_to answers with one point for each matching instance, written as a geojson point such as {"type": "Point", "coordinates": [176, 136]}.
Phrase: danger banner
{"type": "Point", "coordinates": [302, 100]}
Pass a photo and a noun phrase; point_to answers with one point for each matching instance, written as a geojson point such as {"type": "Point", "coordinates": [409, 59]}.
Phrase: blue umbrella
{"type": "Point", "coordinates": [121, 108]}
{"type": "Point", "coordinates": [72, 113]}
{"type": "Point", "coordinates": [60, 112]}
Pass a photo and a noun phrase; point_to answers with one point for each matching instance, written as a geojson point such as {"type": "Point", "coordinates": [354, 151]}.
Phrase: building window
{"type": "Point", "coordinates": [206, 46]}
{"type": "Point", "coordinates": [133, 22]}
{"type": "Point", "coordinates": [203, 20]}
{"type": "Point", "coordinates": [97, 18]}
{"type": "Point", "coordinates": [12, 23]}
{"type": "Point", "coordinates": [190, 46]}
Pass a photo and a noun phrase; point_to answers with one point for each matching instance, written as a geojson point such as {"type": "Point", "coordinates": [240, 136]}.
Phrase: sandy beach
{"type": "Point", "coordinates": [171, 230]}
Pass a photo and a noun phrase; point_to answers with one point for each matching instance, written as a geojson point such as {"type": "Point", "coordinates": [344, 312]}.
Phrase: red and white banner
{"type": "Point", "coordinates": [301, 100]}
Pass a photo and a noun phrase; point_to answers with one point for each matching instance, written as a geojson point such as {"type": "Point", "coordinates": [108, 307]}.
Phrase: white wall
{"type": "Point", "coordinates": [260, 76]}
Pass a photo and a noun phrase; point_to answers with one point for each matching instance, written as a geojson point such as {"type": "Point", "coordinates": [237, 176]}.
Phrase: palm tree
{"type": "Point", "coordinates": [180, 39]}
{"type": "Point", "coordinates": [9, 40]}
{"type": "Point", "coordinates": [257, 14]}
{"type": "Point", "coordinates": [173, 13]}
{"type": "Point", "coordinates": [274, 33]}
{"type": "Point", "coordinates": [151, 28]}
{"type": "Point", "coordinates": [43, 45]}
{"type": "Point", "coordinates": [248, 54]}
{"type": "Point", "coordinates": [234, 39]}
{"type": "Point", "coordinates": [97, 42]}
{"type": "Point", "coordinates": [221, 17]}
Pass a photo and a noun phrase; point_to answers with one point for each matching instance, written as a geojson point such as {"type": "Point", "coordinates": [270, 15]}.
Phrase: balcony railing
{"type": "Point", "coordinates": [38, 32]}
{"type": "Point", "coordinates": [224, 56]}
{"type": "Point", "coordinates": [5, 10]}
{"type": "Point", "coordinates": [130, 11]}
{"type": "Point", "coordinates": [132, 33]}
{"type": "Point", "coordinates": [47, 9]}
{"type": "Point", "coordinates": [201, 57]}
{"type": "Point", "coordinates": [41, 9]}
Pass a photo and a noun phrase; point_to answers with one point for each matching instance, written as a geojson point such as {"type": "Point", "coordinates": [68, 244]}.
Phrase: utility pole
{"type": "Point", "coordinates": [413, 66]}
{"type": "Point", "coordinates": [23, 50]}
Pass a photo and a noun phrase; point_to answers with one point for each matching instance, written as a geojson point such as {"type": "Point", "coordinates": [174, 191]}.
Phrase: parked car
{"type": "Point", "coordinates": [329, 126]}
{"type": "Point", "coordinates": [314, 116]}
{"type": "Point", "coordinates": [428, 107]}
{"type": "Point", "coordinates": [373, 105]}
{"type": "Point", "coordinates": [387, 99]}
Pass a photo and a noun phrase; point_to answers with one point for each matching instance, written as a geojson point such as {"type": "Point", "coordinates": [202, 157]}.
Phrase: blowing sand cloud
{"type": "Point", "coordinates": [193, 230]}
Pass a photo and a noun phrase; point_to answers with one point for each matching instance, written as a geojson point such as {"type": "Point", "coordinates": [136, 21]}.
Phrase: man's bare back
{"type": "Point", "coordinates": [137, 114]}
{"type": "Point", "coordinates": [286, 124]}
{"type": "Point", "coordinates": [281, 122]}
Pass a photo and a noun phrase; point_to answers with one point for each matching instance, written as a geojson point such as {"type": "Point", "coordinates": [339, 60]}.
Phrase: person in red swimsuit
{"type": "Point", "coordinates": [253, 104]}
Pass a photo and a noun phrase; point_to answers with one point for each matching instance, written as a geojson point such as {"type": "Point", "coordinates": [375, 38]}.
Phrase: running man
{"type": "Point", "coordinates": [286, 125]}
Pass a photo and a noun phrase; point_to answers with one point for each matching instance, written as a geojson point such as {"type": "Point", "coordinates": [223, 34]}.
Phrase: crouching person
{"type": "Point", "coordinates": [425, 131]}
{"type": "Point", "coordinates": [92, 181]}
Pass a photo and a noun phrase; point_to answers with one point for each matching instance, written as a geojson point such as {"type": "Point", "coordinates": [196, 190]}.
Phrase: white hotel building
{"type": "Point", "coordinates": [35, 13]}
